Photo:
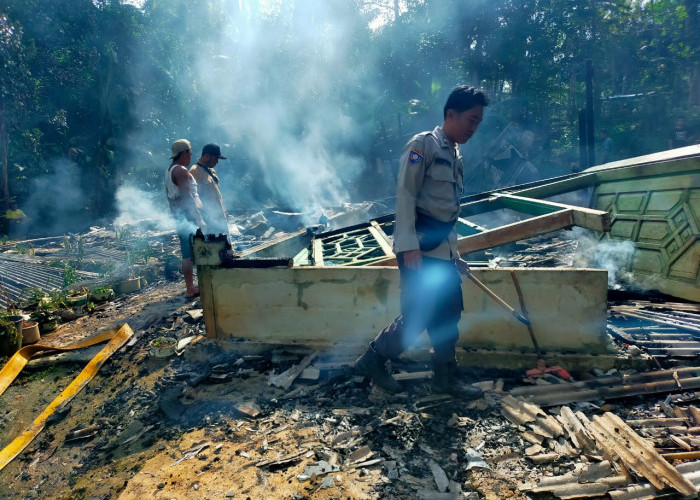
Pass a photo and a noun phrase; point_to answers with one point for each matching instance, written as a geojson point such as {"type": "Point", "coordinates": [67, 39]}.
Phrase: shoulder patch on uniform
{"type": "Point", "coordinates": [415, 155]}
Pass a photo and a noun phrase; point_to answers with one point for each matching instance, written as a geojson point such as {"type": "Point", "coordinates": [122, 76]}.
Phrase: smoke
{"type": "Point", "coordinates": [614, 256]}
{"type": "Point", "coordinates": [137, 204]}
{"type": "Point", "coordinates": [290, 80]}
{"type": "Point", "coordinates": [276, 85]}
{"type": "Point", "coordinates": [57, 200]}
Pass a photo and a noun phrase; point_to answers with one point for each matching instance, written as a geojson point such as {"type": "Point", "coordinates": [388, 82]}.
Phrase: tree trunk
{"type": "Point", "coordinates": [692, 25]}
{"type": "Point", "coordinates": [694, 87]}
{"type": "Point", "coordinates": [3, 147]}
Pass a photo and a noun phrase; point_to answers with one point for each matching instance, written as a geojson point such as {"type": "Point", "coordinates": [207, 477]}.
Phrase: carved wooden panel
{"type": "Point", "coordinates": [661, 215]}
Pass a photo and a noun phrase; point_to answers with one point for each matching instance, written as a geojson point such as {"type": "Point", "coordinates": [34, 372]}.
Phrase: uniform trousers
{"type": "Point", "coordinates": [431, 298]}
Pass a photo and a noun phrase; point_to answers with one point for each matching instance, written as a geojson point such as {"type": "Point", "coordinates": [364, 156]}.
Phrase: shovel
{"type": "Point", "coordinates": [542, 368]}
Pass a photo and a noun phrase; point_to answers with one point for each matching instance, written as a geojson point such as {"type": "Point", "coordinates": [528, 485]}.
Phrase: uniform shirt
{"type": "Point", "coordinates": [430, 181]}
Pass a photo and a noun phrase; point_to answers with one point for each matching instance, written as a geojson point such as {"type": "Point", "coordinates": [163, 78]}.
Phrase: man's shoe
{"type": "Point", "coordinates": [372, 365]}
{"type": "Point", "coordinates": [445, 381]}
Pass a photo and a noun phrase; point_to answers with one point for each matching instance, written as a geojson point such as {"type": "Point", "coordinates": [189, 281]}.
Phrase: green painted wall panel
{"type": "Point", "coordinates": [664, 201]}
{"type": "Point", "coordinates": [648, 261]}
{"type": "Point", "coordinates": [661, 215]}
{"type": "Point", "coordinates": [630, 202]}
{"type": "Point", "coordinates": [654, 231]}
{"type": "Point", "coordinates": [686, 267]}
{"type": "Point", "coordinates": [623, 229]}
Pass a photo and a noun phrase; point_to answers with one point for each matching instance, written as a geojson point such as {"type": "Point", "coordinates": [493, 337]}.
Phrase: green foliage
{"type": "Point", "coordinates": [69, 275]}
{"type": "Point", "coordinates": [75, 248]}
{"type": "Point", "coordinates": [138, 252]}
{"type": "Point", "coordinates": [123, 234]}
{"type": "Point", "coordinates": [103, 289]}
{"type": "Point", "coordinates": [34, 294]}
{"type": "Point", "coordinates": [80, 78]}
{"type": "Point", "coordinates": [27, 249]}
{"type": "Point", "coordinates": [9, 331]}
{"type": "Point", "coordinates": [105, 269]}
{"type": "Point", "coordinates": [48, 372]}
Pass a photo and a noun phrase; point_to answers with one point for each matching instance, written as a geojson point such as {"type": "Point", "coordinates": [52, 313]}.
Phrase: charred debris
{"type": "Point", "coordinates": [176, 415]}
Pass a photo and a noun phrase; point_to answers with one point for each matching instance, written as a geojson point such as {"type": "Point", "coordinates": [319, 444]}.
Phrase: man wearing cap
{"type": "Point", "coordinates": [213, 211]}
{"type": "Point", "coordinates": [181, 189]}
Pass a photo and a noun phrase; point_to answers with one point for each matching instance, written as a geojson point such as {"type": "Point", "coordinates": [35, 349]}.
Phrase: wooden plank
{"type": "Point", "coordinates": [381, 237]}
{"type": "Point", "coordinates": [680, 442]}
{"type": "Point", "coordinates": [206, 297]}
{"type": "Point", "coordinates": [286, 378]}
{"type": "Point", "coordinates": [646, 458]}
{"type": "Point", "coordinates": [695, 413]}
{"type": "Point", "coordinates": [657, 422]}
{"type": "Point", "coordinates": [681, 455]}
{"type": "Point", "coordinates": [559, 187]}
{"type": "Point", "coordinates": [301, 258]}
{"type": "Point", "coordinates": [529, 206]}
{"type": "Point", "coordinates": [598, 220]}
{"type": "Point", "coordinates": [413, 375]}
{"type": "Point", "coordinates": [517, 231]}
{"type": "Point", "coordinates": [317, 252]}
{"type": "Point", "coordinates": [482, 206]}
{"type": "Point", "coordinates": [642, 169]}
{"type": "Point", "coordinates": [467, 228]}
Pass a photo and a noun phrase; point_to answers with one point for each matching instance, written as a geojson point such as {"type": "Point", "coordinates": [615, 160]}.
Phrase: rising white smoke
{"type": "Point", "coordinates": [137, 205]}
{"type": "Point", "coordinates": [280, 93]}
{"type": "Point", "coordinates": [614, 256]}
{"type": "Point", "coordinates": [57, 201]}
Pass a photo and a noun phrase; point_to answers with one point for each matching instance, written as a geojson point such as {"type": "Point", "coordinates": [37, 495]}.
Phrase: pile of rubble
{"type": "Point", "coordinates": [105, 255]}
{"type": "Point", "coordinates": [173, 415]}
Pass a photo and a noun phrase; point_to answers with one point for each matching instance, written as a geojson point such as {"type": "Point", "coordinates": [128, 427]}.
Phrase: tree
{"type": "Point", "coordinates": [13, 74]}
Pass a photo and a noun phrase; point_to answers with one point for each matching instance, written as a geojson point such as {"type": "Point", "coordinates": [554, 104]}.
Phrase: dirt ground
{"type": "Point", "coordinates": [207, 423]}
{"type": "Point", "coordinates": [245, 438]}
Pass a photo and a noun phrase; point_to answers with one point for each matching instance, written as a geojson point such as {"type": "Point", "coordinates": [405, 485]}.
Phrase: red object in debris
{"type": "Point", "coordinates": [542, 368]}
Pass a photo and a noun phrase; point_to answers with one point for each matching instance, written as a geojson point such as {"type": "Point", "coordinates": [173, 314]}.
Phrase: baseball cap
{"type": "Point", "coordinates": [179, 146]}
{"type": "Point", "coordinates": [214, 150]}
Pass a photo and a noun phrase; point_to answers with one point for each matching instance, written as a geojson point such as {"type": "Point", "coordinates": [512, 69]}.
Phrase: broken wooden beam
{"type": "Point", "coordinates": [618, 438]}
{"type": "Point", "coordinates": [612, 387]}
{"type": "Point", "coordinates": [587, 218]}
{"type": "Point", "coordinates": [286, 378]}
{"type": "Point", "coordinates": [517, 231]}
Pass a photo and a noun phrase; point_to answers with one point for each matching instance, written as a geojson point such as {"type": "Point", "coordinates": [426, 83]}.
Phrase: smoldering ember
{"type": "Point", "coordinates": [223, 221]}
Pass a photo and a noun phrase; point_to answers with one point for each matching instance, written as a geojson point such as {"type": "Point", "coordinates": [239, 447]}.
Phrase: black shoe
{"type": "Point", "coordinates": [372, 365]}
{"type": "Point", "coordinates": [445, 381]}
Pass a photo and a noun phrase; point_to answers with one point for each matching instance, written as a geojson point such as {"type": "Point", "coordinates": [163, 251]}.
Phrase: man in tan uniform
{"type": "Point", "coordinates": [213, 210]}
{"type": "Point", "coordinates": [429, 188]}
